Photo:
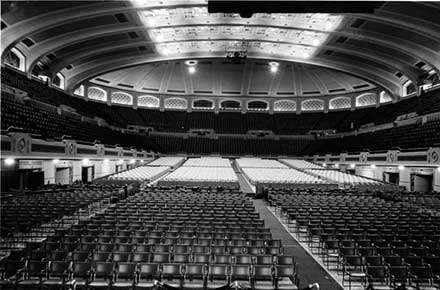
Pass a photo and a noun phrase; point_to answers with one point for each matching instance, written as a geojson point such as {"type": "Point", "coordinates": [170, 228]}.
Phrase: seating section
{"type": "Point", "coordinates": [280, 176]}
{"type": "Point", "coordinates": [35, 116]}
{"type": "Point", "coordinates": [301, 164]}
{"type": "Point", "coordinates": [227, 122]}
{"type": "Point", "coordinates": [259, 163]}
{"type": "Point", "coordinates": [201, 175]}
{"type": "Point", "coordinates": [202, 239]}
{"type": "Point", "coordinates": [23, 212]}
{"type": "Point", "coordinates": [167, 161]}
{"type": "Point", "coordinates": [410, 136]}
{"type": "Point", "coordinates": [39, 119]}
{"type": "Point", "coordinates": [207, 162]}
{"type": "Point", "coordinates": [342, 177]}
{"type": "Point", "coordinates": [363, 236]}
{"type": "Point", "coordinates": [143, 173]}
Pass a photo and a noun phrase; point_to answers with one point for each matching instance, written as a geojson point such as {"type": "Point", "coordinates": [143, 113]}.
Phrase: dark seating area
{"type": "Point", "coordinates": [23, 212]}
{"type": "Point", "coordinates": [226, 122]}
{"type": "Point", "coordinates": [36, 118]}
{"type": "Point", "coordinates": [411, 136]}
{"type": "Point", "coordinates": [191, 238]}
{"type": "Point", "coordinates": [364, 237]}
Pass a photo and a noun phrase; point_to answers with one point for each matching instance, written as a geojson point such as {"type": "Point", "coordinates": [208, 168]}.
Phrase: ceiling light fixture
{"type": "Point", "coordinates": [274, 66]}
{"type": "Point", "coordinates": [9, 161]}
{"type": "Point", "coordinates": [191, 69]}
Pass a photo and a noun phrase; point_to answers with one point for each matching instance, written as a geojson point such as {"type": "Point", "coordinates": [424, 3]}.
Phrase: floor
{"type": "Point", "coordinates": [310, 270]}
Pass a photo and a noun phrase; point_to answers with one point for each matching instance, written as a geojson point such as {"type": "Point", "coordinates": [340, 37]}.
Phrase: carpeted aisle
{"type": "Point", "coordinates": [309, 270]}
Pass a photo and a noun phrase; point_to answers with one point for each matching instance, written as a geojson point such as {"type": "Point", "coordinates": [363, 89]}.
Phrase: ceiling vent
{"type": "Point", "coordinates": [398, 74]}
{"type": "Point", "coordinates": [336, 90]}
{"type": "Point", "coordinates": [341, 39]}
{"type": "Point", "coordinates": [69, 67]}
{"type": "Point", "coordinates": [126, 86]}
{"type": "Point", "coordinates": [420, 64]}
{"type": "Point", "coordinates": [121, 17]}
{"type": "Point", "coordinates": [133, 35]}
{"type": "Point", "coordinates": [311, 93]}
{"type": "Point", "coordinates": [361, 86]}
{"type": "Point", "coordinates": [103, 80]}
{"type": "Point", "coordinates": [51, 56]}
{"type": "Point", "coordinates": [358, 23]}
{"type": "Point", "coordinates": [28, 42]}
{"type": "Point", "coordinates": [4, 25]}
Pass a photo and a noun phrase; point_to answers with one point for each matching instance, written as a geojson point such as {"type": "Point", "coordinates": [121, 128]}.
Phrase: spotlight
{"type": "Point", "coordinates": [352, 165]}
{"type": "Point", "coordinates": [336, 165]}
{"type": "Point", "coordinates": [120, 161]}
{"type": "Point", "coordinates": [328, 25]}
{"type": "Point", "coordinates": [324, 164]}
{"type": "Point", "coordinates": [438, 169]}
{"type": "Point", "coordinates": [273, 66]}
{"type": "Point", "coordinates": [56, 161]}
{"type": "Point", "coordinates": [315, 41]}
{"type": "Point", "coordinates": [142, 161]}
{"type": "Point", "coordinates": [85, 161]}
{"type": "Point", "coordinates": [106, 160]}
{"type": "Point", "coordinates": [132, 161]}
{"type": "Point", "coordinates": [191, 69]}
{"type": "Point", "coordinates": [401, 167]}
{"type": "Point", "coordinates": [9, 161]}
{"type": "Point", "coordinates": [373, 166]}
{"type": "Point", "coordinates": [305, 54]}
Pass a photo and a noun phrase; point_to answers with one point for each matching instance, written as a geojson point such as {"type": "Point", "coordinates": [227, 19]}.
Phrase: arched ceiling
{"type": "Point", "coordinates": [218, 77]}
{"type": "Point", "coordinates": [400, 41]}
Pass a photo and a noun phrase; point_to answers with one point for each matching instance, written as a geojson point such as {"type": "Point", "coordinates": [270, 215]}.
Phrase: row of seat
{"type": "Point", "coordinates": [126, 275]}
{"type": "Point", "coordinates": [352, 230]}
{"type": "Point", "coordinates": [21, 213]}
{"type": "Point", "coordinates": [203, 257]}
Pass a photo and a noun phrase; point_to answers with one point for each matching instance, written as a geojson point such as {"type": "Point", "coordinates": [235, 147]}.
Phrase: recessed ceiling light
{"type": "Point", "coordinates": [191, 62]}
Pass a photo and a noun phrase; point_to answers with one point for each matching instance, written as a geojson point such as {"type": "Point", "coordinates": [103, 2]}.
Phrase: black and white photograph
{"type": "Point", "coordinates": [220, 145]}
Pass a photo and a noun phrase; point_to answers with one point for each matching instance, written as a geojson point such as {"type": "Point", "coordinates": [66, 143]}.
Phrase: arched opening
{"type": "Point", "coordinates": [15, 59]}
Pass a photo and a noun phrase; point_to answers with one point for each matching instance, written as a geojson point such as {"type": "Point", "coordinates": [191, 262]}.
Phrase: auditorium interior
{"type": "Point", "coordinates": [204, 144]}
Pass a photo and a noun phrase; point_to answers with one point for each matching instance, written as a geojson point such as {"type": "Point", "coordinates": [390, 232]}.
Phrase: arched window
{"type": "Point", "coordinates": [230, 104]}
{"type": "Point", "coordinates": [385, 97]}
{"type": "Point", "coordinates": [148, 101]}
{"type": "Point", "coordinates": [122, 98]}
{"type": "Point", "coordinates": [284, 106]}
{"type": "Point", "coordinates": [58, 81]}
{"type": "Point", "coordinates": [98, 94]}
{"type": "Point", "coordinates": [312, 105]}
{"type": "Point", "coordinates": [79, 91]}
{"type": "Point", "coordinates": [340, 103]}
{"type": "Point", "coordinates": [203, 104]}
{"type": "Point", "coordinates": [15, 59]}
{"type": "Point", "coordinates": [408, 88]}
{"type": "Point", "coordinates": [175, 103]}
{"type": "Point", "coordinates": [257, 106]}
{"type": "Point", "coordinates": [368, 99]}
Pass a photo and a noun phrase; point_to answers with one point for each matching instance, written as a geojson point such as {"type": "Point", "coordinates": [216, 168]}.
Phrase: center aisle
{"type": "Point", "coordinates": [309, 270]}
